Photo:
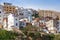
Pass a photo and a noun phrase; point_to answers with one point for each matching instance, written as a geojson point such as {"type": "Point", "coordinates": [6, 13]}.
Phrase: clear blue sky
{"type": "Point", "coordinates": [36, 4]}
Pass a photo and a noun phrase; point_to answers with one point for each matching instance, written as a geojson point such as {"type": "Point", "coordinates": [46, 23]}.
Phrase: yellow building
{"type": "Point", "coordinates": [9, 8]}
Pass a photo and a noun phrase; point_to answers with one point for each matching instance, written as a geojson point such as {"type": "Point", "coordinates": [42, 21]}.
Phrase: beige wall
{"type": "Point", "coordinates": [9, 9]}
{"type": "Point", "coordinates": [1, 26]}
{"type": "Point", "coordinates": [49, 13]}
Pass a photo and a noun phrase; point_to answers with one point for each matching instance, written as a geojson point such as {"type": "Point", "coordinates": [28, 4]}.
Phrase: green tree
{"type": "Point", "coordinates": [7, 35]}
{"type": "Point", "coordinates": [35, 15]}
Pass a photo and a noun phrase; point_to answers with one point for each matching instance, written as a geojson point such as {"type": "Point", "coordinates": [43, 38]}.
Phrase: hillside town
{"type": "Point", "coordinates": [19, 17]}
{"type": "Point", "coordinates": [19, 23]}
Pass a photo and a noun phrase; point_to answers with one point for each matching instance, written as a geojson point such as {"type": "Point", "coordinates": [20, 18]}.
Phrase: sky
{"type": "Point", "coordinates": [36, 4]}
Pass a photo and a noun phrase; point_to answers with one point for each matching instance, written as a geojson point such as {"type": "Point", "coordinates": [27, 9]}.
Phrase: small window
{"type": "Point", "coordinates": [29, 13]}
{"type": "Point", "coordinates": [0, 11]}
{"type": "Point", "coordinates": [7, 7]}
{"type": "Point", "coordinates": [20, 14]}
{"type": "Point", "coordinates": [16, 24]}
{"type": "Point", "coordinates": [13, 8]}
{"type": "Point", "coordinates": [16, 19]}
{"type": "Point", "coordinates": [9, 10]}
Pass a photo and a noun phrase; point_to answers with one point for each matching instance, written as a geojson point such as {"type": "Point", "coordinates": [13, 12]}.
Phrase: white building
{"type": "Point", "coordinates": [5, 23]}
{"type": "Point", "coordinates": [25, 13]}
{"type": "Point", "coordinates": [1, 14]}
{"type": "Point", "coordinates": [50, 26]}
{"type": "Point", "coordinates": [21, 15]}
{"type": "Point", "coordinates": [35, 23]}
{"type": "Point", "coordinates": [58, 29]}
{"type": "Point", "coordinates": [3, 18]}
{"type": "Point", "coordinates": [22, 23]}
{"type": "Point", "coordinates": [11, 21]}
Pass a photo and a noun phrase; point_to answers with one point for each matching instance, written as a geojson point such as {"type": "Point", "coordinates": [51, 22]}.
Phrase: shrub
{"type": "Point", "coordinates": [57, 37]}
{"type": "Point", "coordinates": [7, 35]}
{"type": "Point", "coordinates": [48, 37]}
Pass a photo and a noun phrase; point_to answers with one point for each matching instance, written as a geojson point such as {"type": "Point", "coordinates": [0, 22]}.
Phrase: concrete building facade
{"type": "Point", "coordinates": [1, 16]}
{"type": "Point", "coordinates": [9, 8]}
{"type": "Point", "coordinates": [49, 13]}
{"type": "Point", "coordinates": [50, 26]}
{"type": "Point", "coordinates": [25, 13]}
{"type": "Point", "coordinates": [13, 21]}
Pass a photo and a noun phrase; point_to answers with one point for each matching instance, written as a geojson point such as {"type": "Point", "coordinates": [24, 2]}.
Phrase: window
{"type": "Point", "coordinates": [16, 24]}
{"type": "Point", "coordinates": [16, 19]}
{"type": "Point", "coordinates": [13, 8]}
{"type": "Point", "coordinates": [0, 11]}
{"type": "Point", "coordinates": [20, 14]}
{"type": "Point", "coordinates": [29, 13]}
{"type": "Point", "coordinates": [10, 7]}
{"type": "Point", "coordinates": [7, 7]}
{"type": "Point", "coordinates": [9, 10]}
{"type": "Point", "coordinates": [6, 10]}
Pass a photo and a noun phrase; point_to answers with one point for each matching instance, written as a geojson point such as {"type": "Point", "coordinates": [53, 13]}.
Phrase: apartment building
{"type": "Point", "coordinates": [9, 8]}
{"type": "Point", "coordinates": [5, 23]}
{"type": "Point", "coordinates": [10, 22]}
{"type": "Point", "coordinates": [36, 22]}
{"type": "Point", "coordinates": [59, 27]}
{"type": "Point", "coordinates": [50, 26]}
{"type": "Point", "coordinates": [25, 13]}
{"type": "Point", "coordinates": [8, 16]}
{"type": "Point", "coordinates": [1, 16]}
{"type": "Point", "coordinates": [20, 13]}
{"type": "Point", "coordinates": [49, 13]}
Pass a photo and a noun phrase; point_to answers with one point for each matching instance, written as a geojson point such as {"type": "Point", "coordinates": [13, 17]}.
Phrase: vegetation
{"type": "Point", "coordinates": [48, 37]}
{"type": "Point", "coordinates": [7, 35]}
{"type": "Point", "coordinates": [32, 32]}
{"type": "Point", "coordinates": [57, 37]}
{"type": "Point", "coordinates": [35, 15]}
